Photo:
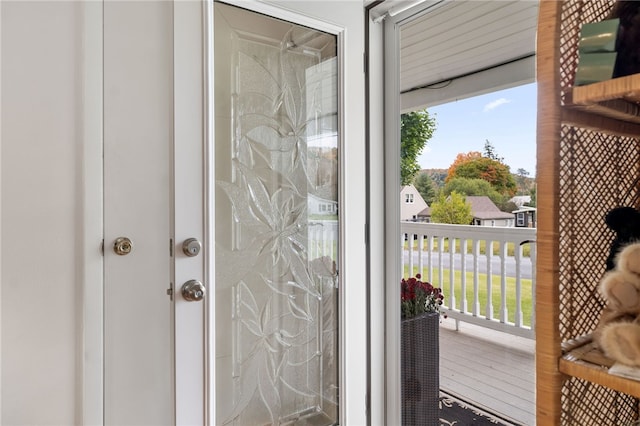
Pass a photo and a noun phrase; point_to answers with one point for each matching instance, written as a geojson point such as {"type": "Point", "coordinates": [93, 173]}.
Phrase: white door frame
{"type": "Point", "coordinates": [192, 31]}
{"type": "Point", "coordinates": [376, 219]}
{"type": "Point", "coordinates": [189, 212]}
{"type": "Point", "coordinates": [393, 254]}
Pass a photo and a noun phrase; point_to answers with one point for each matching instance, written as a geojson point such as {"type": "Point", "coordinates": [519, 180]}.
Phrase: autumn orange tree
{"type": "Point", "coordinates": [460, 159]}
{"type": "Point", "coordinates": [473, 165]}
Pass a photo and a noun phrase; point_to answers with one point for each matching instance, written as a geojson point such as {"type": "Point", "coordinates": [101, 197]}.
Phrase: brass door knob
{"type": "Point", "coordinates": [122, 246]}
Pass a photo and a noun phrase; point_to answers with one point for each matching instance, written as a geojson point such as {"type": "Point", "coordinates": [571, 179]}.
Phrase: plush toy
{"type": "Point", "coordinates": [618, 333]}
{"type": "Point", "coordinates": [625, 222]}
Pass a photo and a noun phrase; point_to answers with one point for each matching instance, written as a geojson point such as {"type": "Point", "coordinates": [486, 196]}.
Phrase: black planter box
{"type": "Point", "coordinates": [420, 370]}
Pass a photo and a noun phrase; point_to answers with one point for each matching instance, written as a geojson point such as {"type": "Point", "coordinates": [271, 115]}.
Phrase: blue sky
{"type": "Point", "coordinates": [506, 118]}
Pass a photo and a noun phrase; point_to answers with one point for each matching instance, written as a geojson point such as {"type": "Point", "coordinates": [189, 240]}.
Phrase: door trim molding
{"type": "Point", "coordinates": [91, 265]}
{"type": "Point", "coordinates": [392, 219]}
{"type": "Point", "coordinates": [209, 209]}
{"type": "Point", "coordinates": [189, 209]}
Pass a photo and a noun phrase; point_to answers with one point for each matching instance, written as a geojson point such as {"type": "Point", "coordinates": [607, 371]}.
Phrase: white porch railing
{"type": "Point", "coordinates": [486, 276]}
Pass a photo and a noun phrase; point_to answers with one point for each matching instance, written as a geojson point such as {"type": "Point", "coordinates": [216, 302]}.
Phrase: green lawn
{"type": "Point", "coordinates": [527, 301]}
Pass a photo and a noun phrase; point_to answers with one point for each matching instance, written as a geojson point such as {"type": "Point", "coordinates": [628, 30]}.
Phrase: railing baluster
{"type": "Point", "coordinates": [533, 253]}
{"type": "Point", "coordinates": [402, 260]}
{"type": "Point", "coordinates": [410, 241]}
{"type": "Point", "coordinates": [476, 278]}
{"type": "Point", "coordinates": [440, 271]}
{"type": "Point", "coordinates": [452, 271]}
{"type": "Point", "coordinates": [335, 234]}
{"type": "Point", "coordinates": [488, 252]}
{"type": "Point", "coordinates": [504, 312]}
{"type": "Point", "coordinates": [464, 309]}
{"type": "Point", "coordinates": [430, 254]}
{"type": "Point", "coordinates": [463, 277]}
{"type": "Point", "coordinates": [420, 254]}
{"type": "Point", "coordinates": [517, 252]}
{"type": "Point", "coordinates": [327, 240]}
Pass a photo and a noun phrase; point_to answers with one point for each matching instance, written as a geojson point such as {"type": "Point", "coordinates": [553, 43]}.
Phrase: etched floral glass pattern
{"type": "Point", "coordinates": [276, 226]}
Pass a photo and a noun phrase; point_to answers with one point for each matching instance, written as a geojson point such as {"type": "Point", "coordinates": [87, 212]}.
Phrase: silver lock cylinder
{"type": "Point", "coordinates": [122, 246]}
{"type": "Point", "coordinates": [191, 247]}
{"type": "Point", "coordinates": [193, 291]}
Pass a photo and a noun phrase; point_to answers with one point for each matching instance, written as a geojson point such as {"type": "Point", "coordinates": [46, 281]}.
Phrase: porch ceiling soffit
{"type": "Point", "coordinates": [453, 49]}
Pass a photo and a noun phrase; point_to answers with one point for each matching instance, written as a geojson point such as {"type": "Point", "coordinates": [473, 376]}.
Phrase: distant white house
{"type": "Point", "coordinates": [411, 204]}
{"type": "Point", "coordinates": [322, 206]}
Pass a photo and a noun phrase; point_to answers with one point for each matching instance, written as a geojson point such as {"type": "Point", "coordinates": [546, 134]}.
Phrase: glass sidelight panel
{"type": "Point", "coordinates": [276, 221]}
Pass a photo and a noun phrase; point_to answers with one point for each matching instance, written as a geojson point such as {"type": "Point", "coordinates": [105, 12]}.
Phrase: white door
{"type": "Point", "coordinates": [154, 338]}
{"type": "Point", "coordinates": [249, 157]}
{"type": "Point", "coordinates": [138, 123]}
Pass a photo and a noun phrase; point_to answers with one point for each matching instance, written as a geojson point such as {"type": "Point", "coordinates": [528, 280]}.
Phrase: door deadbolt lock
{"type": "Point", "coordinates": [191, 247]}
{"type": "Point", "coordinates": [122, 246]}
{"type": "Point", "coordinates": [193, 291]}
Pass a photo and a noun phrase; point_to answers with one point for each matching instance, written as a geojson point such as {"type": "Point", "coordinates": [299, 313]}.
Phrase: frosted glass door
{"type": "Point", "coordinates": [276, 221]}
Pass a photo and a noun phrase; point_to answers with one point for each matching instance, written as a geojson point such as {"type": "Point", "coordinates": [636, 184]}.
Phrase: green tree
{"type": "Point", "coordinates": [416, 128]}
{"type": "Point", "coordinates": [490, 151]}
{"type": "Point", "coordinates": [426, 188]}
{"type": "Point", "coordinates": [478, 167]}
{"type": "Point", "coordinates": [469, 187]}
{"type": "Point", "coordinates": [438, 177]}
{"type": "Point", "coordinates": [522, 175]}
{"type": "Point", "coordinates": [479, 187]}
{"type": "Point", "coordinates": [452, 209]}
{"type": "Point", "coordinates": [534, 197]}
{"type": "Point", "coordinates": [466, 186]}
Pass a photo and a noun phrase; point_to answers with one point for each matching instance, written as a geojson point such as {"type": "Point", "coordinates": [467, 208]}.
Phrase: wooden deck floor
{"type": "Point", "coordinates": [494, 370]}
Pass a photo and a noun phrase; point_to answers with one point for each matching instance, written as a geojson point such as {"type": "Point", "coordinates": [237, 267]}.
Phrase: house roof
{"type": "Point", "coordinates": [525, 209]}
{"type": "Point", "coordinates": [425, 213]}
{"type": "Point", "coordinates": [483, 208]}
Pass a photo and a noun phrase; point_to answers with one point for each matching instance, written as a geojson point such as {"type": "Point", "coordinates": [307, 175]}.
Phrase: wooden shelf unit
{"type": "Point", "coordinates": [588, 163]}
{"type": "Point", "coordinates": [583, 359]}
{"type": "Point", "coordinates": [618, 98]}
{"type": "Point", "coordinates": [598, 374]}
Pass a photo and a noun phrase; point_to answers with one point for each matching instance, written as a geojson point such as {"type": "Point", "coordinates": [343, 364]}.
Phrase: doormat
{"type": "Point", "coordinates": [456, 412]}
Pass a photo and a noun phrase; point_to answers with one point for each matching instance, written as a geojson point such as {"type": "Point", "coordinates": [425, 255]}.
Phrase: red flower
{"type": "Point", "coordinates": [418, 297]}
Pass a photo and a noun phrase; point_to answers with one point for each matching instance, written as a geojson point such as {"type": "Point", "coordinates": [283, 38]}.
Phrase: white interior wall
{"type": "Point", "coordinates": [41, 143]}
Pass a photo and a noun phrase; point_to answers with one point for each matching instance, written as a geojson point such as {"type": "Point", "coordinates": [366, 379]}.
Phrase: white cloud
{"type": "Point", "coordinates": [495, 104]}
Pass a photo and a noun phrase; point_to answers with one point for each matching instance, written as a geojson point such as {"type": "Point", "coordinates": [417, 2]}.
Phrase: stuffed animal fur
{"type": "Point", "coordinates": [618, 332]}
